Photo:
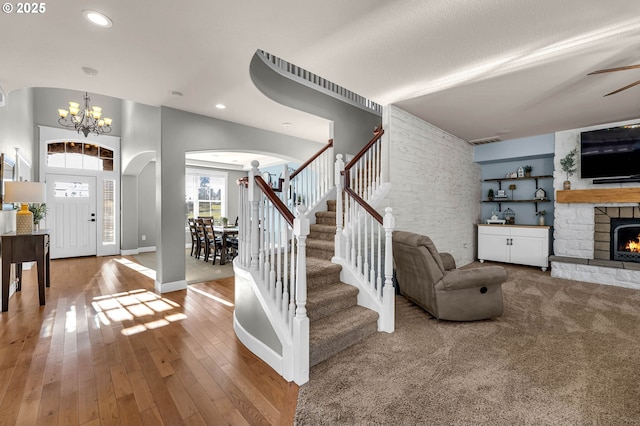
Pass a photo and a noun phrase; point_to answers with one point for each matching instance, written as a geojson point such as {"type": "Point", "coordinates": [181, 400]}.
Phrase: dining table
{"type": "Point", "coordinates": [224, 232]}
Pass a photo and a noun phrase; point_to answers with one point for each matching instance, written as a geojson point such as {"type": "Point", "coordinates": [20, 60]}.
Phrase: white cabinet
{"type": "Point", "coordinates": [525, 245]}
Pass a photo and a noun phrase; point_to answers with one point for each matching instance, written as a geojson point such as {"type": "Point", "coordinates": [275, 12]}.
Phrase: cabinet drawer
{"type": "Point", "coordinates": [530, 232]}
{"type": "Point", "coordinates": [493, 230]}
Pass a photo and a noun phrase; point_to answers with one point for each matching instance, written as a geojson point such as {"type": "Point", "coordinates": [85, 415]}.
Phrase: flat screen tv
{"type": "Point", "coordinates": [610, 153]}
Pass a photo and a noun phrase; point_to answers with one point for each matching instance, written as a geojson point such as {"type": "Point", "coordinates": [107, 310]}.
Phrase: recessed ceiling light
{"type": "Point", "coordinates": [287, 124]}
{"type": "Point", "coordinates": [97, 18]}
{"type": "Point", "coordinates": [221, 106]}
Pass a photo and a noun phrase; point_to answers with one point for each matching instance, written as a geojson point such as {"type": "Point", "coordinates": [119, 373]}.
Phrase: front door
{"type": "Point", "coordinates": [72, 215]}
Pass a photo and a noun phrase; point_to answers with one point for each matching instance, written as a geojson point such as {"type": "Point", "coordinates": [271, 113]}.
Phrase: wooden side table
{"type": "Point", "coordinates": [18, 248]}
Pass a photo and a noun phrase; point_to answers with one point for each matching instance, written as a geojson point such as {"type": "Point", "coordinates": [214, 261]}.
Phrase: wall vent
{"type": "Point", "coordinates": [481, 141]}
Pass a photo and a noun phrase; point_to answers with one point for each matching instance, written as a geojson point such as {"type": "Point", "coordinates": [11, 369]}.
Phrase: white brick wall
{"type": "Point", "coordinates": [574, 223]}
{"type": "Point", "coordinates": [434, 183]}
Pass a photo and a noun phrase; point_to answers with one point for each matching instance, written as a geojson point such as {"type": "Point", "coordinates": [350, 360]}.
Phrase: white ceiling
{"type": "Point", "coordinates": [477, 69]}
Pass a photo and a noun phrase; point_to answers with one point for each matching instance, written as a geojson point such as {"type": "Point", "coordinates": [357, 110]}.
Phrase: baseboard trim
{"type": "Point", "coordinates": [133, 252]}
{"type": "Point", "coordinates": [172, 286]}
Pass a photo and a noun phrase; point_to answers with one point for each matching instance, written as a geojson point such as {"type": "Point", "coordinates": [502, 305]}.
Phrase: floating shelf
{"type": "Point", "coordinates": [520, 178]}
{"type": "Point", "coordinates": [609, 195]}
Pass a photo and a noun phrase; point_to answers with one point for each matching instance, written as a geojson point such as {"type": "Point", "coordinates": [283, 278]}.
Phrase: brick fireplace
{"type": "Point", "coordinates": [614, 229]}
{"type": "Point", "coordinates": [583, 219]}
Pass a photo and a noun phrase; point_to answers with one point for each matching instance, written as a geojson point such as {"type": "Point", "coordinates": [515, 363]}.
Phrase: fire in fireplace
{"type": "Point", "coordinates": [625, 240]}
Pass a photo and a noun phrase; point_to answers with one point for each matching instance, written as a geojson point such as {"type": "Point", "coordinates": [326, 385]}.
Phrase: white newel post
{"type": "Point", "coordinates": [301, 321]}
{"type": "Point", "coordinates": [387, 319]}
{"type": "Point", "coordinates": [285, 187]}
{"type": "Point", "coordinates": [254, 198]}
{"type": "Point", "coordinates": [338, 169]}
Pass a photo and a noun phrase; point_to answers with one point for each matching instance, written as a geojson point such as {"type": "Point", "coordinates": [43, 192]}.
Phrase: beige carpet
{"type": "Point", "coordinates": [196, 271]}
{"type": "Point", "coordinates": [563, 353]}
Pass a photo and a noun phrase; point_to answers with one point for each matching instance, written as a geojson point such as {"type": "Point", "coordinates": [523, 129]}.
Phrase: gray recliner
{"type": "Point", "coordinates": [430, 280]}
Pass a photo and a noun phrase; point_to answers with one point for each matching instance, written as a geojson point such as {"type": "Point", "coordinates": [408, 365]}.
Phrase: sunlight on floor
{"type": "Point", "coordinates": [127, 306]}
{"type": "Point", "coordinates": [137, 267]}
{"type": "Point", "coordinates": [210, 296]}
{"type": "Point", "coordinates": [131, 305]}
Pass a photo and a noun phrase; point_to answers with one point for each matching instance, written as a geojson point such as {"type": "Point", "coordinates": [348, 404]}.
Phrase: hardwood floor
{"type": "Point", "coordinates": [107, 350]}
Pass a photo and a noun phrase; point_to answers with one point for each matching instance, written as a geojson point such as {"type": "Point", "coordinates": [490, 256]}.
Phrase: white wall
{"type": "Point", "coordinates": [434, 183]}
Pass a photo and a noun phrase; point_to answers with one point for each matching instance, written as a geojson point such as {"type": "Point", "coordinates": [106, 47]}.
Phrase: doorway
{"type": "Point", "coordinates": [72, 213]}
{"type": "Point", "coordinates": [82, 178]}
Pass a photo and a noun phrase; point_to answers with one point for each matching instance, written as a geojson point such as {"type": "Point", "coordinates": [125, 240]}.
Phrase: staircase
{"type": "Point", "coordinates": [323, 287]}
{"type": "Point", "coordinates": [336, 320]}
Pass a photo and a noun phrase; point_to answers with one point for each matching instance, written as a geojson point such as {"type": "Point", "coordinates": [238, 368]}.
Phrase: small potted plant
{"type": "Point", "coordinates": [490, 194]}
{"type": "Point", "coordinates": [540, 215]}
{"type": "Point", "coordinates": [527, 170]}
{"type": "Point", "coordinates": [225, 221]}
{"type": "Point", "coordinates": [39, 211]}
{"type": "Point", "coordinates": [568, 164]}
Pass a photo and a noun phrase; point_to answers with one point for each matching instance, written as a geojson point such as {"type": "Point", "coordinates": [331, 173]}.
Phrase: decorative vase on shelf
{"type": "Point", "coordinates": [541, 220]}
{"type": "Point", "coordinates": [566, 185]}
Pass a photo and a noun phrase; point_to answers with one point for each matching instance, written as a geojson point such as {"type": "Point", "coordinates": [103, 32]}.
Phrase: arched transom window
{"type": "Point", "coordinates": [79, 155]}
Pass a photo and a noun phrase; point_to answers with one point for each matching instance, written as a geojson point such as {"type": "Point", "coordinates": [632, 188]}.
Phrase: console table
{"type": "Point", "coordinates": [18, 248]}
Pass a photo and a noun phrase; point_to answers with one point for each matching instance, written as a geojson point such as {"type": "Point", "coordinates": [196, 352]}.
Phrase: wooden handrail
{"type": "Point", "coordinates": [278, 204]}
{"type": "Point", "coordinates": [377, 134]}
{"type": "Point", "coordinates": [310, 160]}
{"type": "Point", "coordinates": [302, 167]}
{"type": "Point", "coordinates": [360, 201]}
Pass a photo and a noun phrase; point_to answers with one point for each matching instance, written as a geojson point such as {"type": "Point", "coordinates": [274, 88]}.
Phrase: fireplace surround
{"type": "Point", "coordinates": [625, 240]}
{"type": "Point", "coordinates": [614, 228]}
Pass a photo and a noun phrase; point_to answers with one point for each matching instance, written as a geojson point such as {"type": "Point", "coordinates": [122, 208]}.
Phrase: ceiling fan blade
{"type": "Point", "coordinates": [624, 88]}
{"type": "Point", "coordinates": [628, 67]}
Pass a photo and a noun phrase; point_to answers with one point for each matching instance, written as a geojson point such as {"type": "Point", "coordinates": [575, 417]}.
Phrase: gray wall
{"type": "Point", "coordinates": [352, 126]}
{"type": "Point", "coordinates": [129, 212]}
{"type": "Point", "coordinates": [497, 159]}
{"type": "Point", "coordinates": [146, 206]}
{"type": "Point", "coordinates": [16, 127]}
{"type": "Point", "coordinates": [181, 132]}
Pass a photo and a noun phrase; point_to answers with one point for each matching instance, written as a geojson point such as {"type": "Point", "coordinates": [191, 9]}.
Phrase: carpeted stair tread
{"type": "Point", "coordinates": [334, 333]}
{"type": "Point", "coordinates": [329, 299]}
{"type": "Point", "coordinates": [321, 244]}
{"type": "Point", "coordinates": [321, 272]}
{"type": "Point", "coordinates": [322, 232]}
{"type": "Point", "coordinates": [326, 218]}
{"type": "Point", "coordinates": [321, 249]}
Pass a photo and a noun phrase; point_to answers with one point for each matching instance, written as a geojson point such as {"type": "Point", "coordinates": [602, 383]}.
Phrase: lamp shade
{"type": "Point", "coordinates": [24, 192]}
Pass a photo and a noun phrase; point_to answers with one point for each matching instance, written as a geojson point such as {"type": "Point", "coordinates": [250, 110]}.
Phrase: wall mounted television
{"type": "Point", "coordinates": [610, 153]}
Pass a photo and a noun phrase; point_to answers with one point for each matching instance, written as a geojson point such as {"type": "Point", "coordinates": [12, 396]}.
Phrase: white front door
{"type": "Point", "coordinates": [72, 215]}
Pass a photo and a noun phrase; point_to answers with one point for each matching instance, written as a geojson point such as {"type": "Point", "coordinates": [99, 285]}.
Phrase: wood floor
{"type": "Point", "coordinates": [107, 350]}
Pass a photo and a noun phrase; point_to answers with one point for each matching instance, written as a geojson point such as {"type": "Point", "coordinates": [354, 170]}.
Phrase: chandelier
{"type": "Point", "coordinates": [87, 120]}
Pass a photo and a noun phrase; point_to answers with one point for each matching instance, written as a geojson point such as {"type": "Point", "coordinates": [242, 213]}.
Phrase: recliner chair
{"type": "Point", "coordinates": [430, 280]}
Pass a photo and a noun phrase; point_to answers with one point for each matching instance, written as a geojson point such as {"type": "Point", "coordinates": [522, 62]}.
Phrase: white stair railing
{"type": "Point", "coordinates": [365, 169]}
{"type": "Point", "coordinates": [309, 184]}
{"type": "Point", "coordinates": [272, 246]}
{"type": "Point", "coordinates": [363, 242]}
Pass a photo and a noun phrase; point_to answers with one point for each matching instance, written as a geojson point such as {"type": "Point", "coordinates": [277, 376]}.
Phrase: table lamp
{"type": "Point", "coordinates": [24, 192]}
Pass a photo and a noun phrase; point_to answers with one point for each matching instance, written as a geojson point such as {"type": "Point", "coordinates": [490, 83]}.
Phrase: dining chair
{"type": "Point", "coordinates": [202, 238]}
{"type": "Point", "coordinates": [213, 242]}
{"type": "Point", "coordinates": [194, 235]}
